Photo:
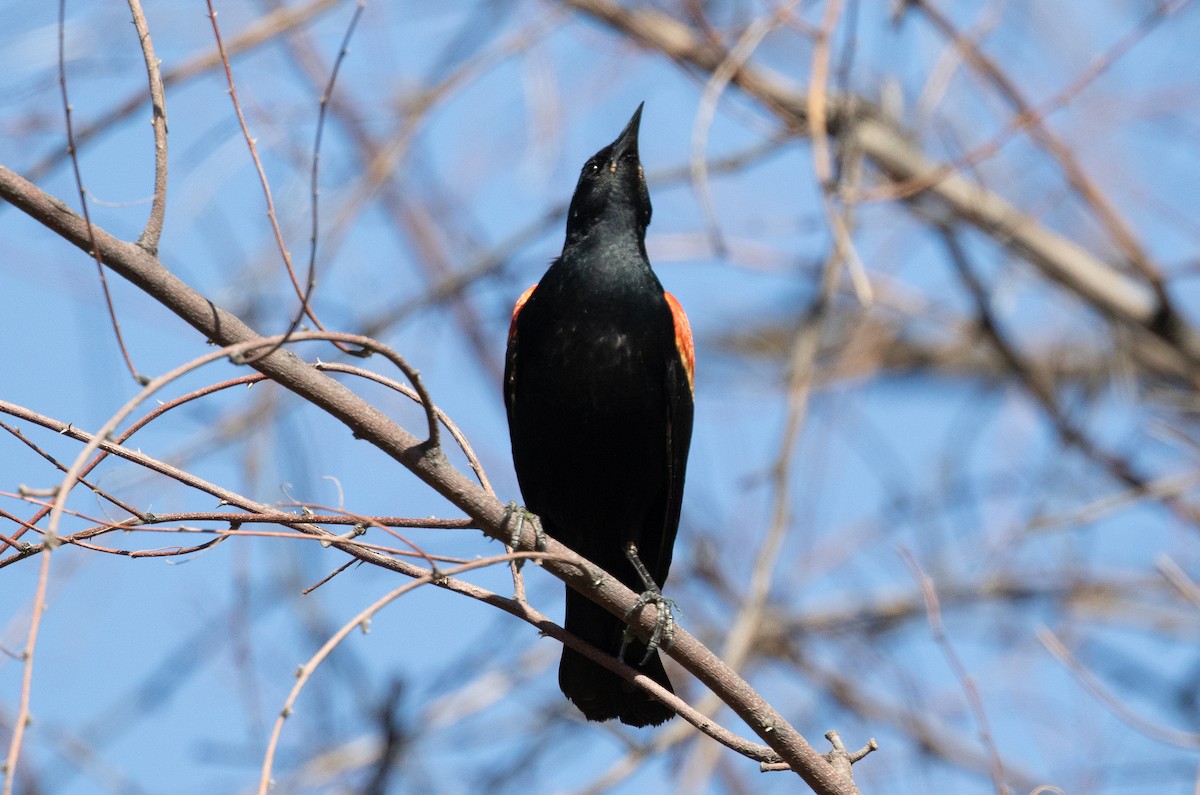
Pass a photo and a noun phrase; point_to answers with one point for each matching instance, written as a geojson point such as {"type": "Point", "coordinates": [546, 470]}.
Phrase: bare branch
{"type": "Point", "coordinates": [158, 102]}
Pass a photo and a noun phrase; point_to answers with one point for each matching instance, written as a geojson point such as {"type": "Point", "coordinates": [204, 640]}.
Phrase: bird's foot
{"type": "Point", "coordinates": [664, 623]}
{"type": "Point", "coordinates": [515, 517]}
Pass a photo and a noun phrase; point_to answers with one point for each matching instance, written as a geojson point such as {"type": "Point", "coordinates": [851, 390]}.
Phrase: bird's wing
{"type": "Point", "coordinates": [683, 335]}
{"type": "Point", "coordinates": [510, 357]}
{"type": "Point", "coordinates": [680, 407]}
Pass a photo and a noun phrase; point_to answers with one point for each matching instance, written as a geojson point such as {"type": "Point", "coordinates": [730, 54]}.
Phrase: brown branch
{"type": "Point", "coordinates": [158, 101]}
{"type": "Point", "coordinates": [63, 468]}
{"type": "Point", "coordinates": [22, 718]}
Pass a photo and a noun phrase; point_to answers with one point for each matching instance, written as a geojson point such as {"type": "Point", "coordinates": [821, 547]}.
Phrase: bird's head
{"type": "Point", "coordinates": [612, 188]}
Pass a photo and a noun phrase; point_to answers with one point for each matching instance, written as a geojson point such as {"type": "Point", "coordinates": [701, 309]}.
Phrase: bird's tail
{"type": "Point", "coordinates": [598, 692]}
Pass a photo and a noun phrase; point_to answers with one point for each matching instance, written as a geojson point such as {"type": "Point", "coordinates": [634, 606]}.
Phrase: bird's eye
{"type": "Point", "coordinates": [593, 167]}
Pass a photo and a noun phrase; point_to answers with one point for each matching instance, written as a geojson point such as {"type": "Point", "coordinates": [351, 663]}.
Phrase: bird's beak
{"type": "Point", "coordinates": [627, 141]}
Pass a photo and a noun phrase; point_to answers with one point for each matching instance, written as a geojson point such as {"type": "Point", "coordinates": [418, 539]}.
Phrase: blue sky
{"type": "Point", "coordinates": [171, 670]}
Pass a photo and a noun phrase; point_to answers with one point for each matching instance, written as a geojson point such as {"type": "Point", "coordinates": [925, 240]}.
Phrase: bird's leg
{"type": "Point", "coordinates": [664, 624]}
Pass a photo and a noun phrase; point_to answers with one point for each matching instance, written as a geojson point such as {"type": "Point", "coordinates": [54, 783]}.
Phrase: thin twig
{"type": "Point", "coordinates": [95, 489]}
{"type": "Point", "coordinates": [234, 352]}
{"type": "Point", "coordinates": [93, 249]}
{"type": "Point", "coordinates": [381, 160]}
{"type": "Point", "coordinates": [225, 496]}
{"type": "Point", "coordinates": [713, 89]}
{"type": "Point", "coordinates": [310, 282]}
{"type": "Point", "coordinates": [265, 31]}
{"type": "Point", "coordinates": [149, 524]}
{"type": "Point", "coordinates": [1120, 709]}
{"type": "Point", "coordinates": [455, 432]}
{"type": "Point", "coordinates": [933, 612]}
{"type": "Point", "coordinates": [252, 145]}
{"type": "Point", "coordinates": [322, 113]}
{"type": "Point", "coordinates": [362, 620]}
{"type": "Point", "coordinates": [22, 717]}
{"type": "Point", "coordinates": [158, 102]}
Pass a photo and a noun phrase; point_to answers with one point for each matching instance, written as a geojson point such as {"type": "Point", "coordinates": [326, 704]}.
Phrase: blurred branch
{"type": "Point", "coordinates": [264, 31]}
{"type": "Point", "coordinates": [886, 343]}
{"type": "Point", "coordinates": [1093, 685]}
{"type": "Point", "coordinates": [927, 732]}
{"type": "Point", "coordinates": [713, 89]}
{"type": "Point", "coordinates": [872, 617]}
{"type": "Point", "coordinates": [1178, 578]}
{"type": "Point", "coordinates": [837, 213]}
{"type": "Point", "coordinates": [893, 153]}
{"type": "Point", "coordinates": [1033, 118]}
{"type": "Point", "coordinates": [937, 628]}
{"type": "Point", "coordinates": [1070, 431]}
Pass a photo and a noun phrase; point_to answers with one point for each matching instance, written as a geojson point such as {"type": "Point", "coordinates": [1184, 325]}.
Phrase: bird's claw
{"type": "Point", "coordinates": [664, 623]}
{"type": "Point", "coordinates": [517, 516]}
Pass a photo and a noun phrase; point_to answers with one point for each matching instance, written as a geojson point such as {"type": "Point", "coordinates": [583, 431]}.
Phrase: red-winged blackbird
{"type": "Point", "coordinates": [598, 386]}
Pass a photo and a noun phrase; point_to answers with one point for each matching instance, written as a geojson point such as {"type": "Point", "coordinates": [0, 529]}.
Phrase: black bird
{"type": "Point", "coordinates": [598, 387]}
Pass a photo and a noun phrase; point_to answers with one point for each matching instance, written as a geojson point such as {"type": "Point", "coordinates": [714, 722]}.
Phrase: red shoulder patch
{"type": "Point", "coordinates": [683, 337]}
{"type": "Point", "coordinates": [512, 326]}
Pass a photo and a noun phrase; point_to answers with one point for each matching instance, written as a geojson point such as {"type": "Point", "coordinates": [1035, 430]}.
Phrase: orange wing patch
{"type": "Point", "coordinates": [512, 326]}
{"type": "Point", "coordinates": [683, 336]}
